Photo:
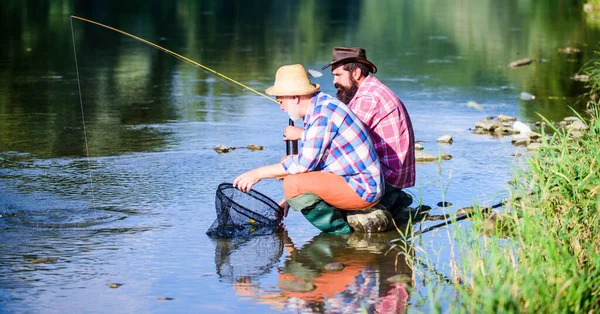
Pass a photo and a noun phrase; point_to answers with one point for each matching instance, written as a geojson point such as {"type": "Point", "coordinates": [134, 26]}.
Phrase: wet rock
{"type": "Point", "coordinates": [526, 96]}
{"type": "Point", "coordinates": [370, 220]}
{"type": "Point", "coordinates": [296, 285]}
{"type": "Point", "coordinates": [578, 126]}
{"type": "Point", "coordinates": [254, 147]}
{"type": "Point", "coordinates": [474, 105]}
{"type": "Point", "coordinates": [446, 156]}
{"type": "Point", "coordinates": [445, 139]}
{"type": "Point", "coordinates": [164, 298]}
{"type": "Point", "coordinates": [521, 62]}
{"type": "Point", "coordinates": [43, 260]}
{"type": "Point", "coordinates": [400, 278]}
{"type": "Point", "coordinates": [425, 157]}
{"type": "Point", "coordinates": [480, 131]}
{"type": "Point", "coordinates": [465, 211]}
{"type": "Point", "coordinates": [521, 127]}
{"type": "Point", "coordinates": [221, 149]}
{"type": "Point", "coordinates": [580, 77]}
{"type": "Point", "coordinates": [569, 50]}
{"type": "Point", "coordinates": [335, 266]}
{"type": "Point", "coordinates": [444, 204]}
{"type": "Point", "coordinates": [418, 146]}
{"type": "Point", "coordinates": [521, 140]}
{"type": "Point", "coordinates": [487, 125]}
{"type": "Point", "coordinates": [533, 147]}
{"type": "Point", "coordinates": [534, 136]}
{"type": "Point", "coordinates": [114, 285]}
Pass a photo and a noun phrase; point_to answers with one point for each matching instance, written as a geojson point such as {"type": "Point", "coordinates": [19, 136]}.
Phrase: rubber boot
{"type": "Point", "coordinates": [320, 214]}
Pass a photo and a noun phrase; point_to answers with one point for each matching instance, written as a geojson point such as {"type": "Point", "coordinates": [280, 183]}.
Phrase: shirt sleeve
{"type": "Point", "coordinates": [317, 138]}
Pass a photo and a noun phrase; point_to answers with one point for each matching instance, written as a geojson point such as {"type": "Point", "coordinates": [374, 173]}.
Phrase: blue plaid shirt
{"type": "Point", "coordinates": [334, 140]}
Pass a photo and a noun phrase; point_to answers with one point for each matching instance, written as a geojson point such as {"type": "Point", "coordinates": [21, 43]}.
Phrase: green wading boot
{"type": "Point", "coordinates": [320, 214]}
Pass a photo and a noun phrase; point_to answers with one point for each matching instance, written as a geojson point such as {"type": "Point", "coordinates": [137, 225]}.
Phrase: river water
{"type": "Point", "coordinates": [129, 200]}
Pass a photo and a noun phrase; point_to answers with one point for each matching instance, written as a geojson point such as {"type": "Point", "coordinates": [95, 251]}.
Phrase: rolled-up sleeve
{"type": "Point", "coordinates": [317, 138]}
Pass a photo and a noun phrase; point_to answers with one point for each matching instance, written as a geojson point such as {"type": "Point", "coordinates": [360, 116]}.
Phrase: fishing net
{"type": "Point", "coordinates": [242, 214]}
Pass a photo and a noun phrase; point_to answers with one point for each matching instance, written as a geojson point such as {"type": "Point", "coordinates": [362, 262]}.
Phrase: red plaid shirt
{"type": "Point", "coordinates": [390, 127]}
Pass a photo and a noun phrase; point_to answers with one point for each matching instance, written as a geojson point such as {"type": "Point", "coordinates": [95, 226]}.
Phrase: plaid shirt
{"type": "Point", "coordinates": [334, 140]}
{"type": "Point", "coordinates": [386, 117]}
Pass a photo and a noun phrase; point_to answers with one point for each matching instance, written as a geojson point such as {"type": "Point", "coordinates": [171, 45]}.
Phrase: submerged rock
{"type": "Point", "coordinates": [254, 147]}
{"type": "Point", "coordinates": [474, 105]}
{"type": "Point", "coordinates": [521, 62]}
{"type": "Point", "coordinates": [335, 266]}
{"type": "Point", "coordinates": [580, 77]}
{"type": "Point", "coordinates": [221, 149]}
{"type": "Point", "coordinates": [296, 285]}
{"type": "Point", "coordinates": [526, 96]}
{"type": "Point", "coordinates": [44, 260]}
{"type": "Point", "coordinates": [445, 139]}
{"type": "Point", "coordinates": [400, 278]}
{"type": "Point", "coordinates": [425, 157]}
{"type": "Point", "coordinates": [569, 50]}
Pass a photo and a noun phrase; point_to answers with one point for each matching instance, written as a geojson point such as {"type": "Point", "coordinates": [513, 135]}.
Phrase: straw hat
{"type": "Point", "coordinates": [292, 80]}
{"type": "Point", "coordinates": [343, 55]}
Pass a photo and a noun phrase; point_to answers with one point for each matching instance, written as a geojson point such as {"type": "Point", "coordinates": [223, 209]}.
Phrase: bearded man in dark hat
{"type": "Point", "coordinates": [380, 109]}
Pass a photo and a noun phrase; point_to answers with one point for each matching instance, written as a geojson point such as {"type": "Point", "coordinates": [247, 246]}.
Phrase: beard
{"type": "Point", "coordinates": [294, 113]}
{"type": "Point", "coordinates": [345, 94]}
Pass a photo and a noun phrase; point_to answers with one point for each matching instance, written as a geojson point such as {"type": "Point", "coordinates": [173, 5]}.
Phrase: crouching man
{"type": "Point", "coordinates": [336, 168]}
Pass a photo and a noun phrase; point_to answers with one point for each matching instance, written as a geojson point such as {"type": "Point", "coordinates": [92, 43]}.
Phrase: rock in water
{"type": "Point", "coordinates": [296, 285]}
{"type": "Point", "coordinates": [43, 260]}
{"type": "Point", "coordinates": [400, 278]}
{"type": "Point", "coordinates": [335, 266]}
{"type": "Point", "coordinates": [520, 63]}
{"type": "Point", "coordinates": [221, 149]}
{"type": "Point", "coordinates": [254, 147]}
{"type": "Point", "coordinates": [521, 127]}
{"type": "Point", "coordinates": [526, 96]}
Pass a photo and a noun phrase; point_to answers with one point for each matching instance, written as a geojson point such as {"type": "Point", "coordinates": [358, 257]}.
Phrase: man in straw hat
{"type": "Point", "coordinates": [385, 116]}
{"type": "Point", "coordinates": [337, 166]}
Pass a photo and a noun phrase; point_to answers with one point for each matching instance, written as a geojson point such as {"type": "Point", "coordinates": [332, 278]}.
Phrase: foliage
{"type": "Point", "coordinates": [552, 261]}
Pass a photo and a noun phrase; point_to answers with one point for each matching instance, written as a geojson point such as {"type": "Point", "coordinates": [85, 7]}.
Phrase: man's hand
{"type": "Point", "coordinates": [292, 133]}
{"type": "Point", "coordinates": [246, 180]}
{"type": "Point", "coordinates": [285, 206]}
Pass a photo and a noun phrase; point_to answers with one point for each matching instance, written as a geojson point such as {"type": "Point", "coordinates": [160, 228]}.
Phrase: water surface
{"type": "Point", "coordinates": [129, 200]}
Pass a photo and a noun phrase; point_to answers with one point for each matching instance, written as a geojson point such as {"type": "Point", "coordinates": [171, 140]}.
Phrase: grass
{"type": "Point", "coordinates": [551, 262]}
{"type": "Point", "coordinates": [543, 254]}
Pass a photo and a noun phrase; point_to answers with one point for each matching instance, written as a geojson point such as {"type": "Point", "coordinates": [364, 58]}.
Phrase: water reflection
{"type": "Point", "coordinates": [362, 283]}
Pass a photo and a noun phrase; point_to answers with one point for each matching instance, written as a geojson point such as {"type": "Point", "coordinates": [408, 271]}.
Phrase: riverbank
{"type": "Point", "coordinates": [541, 253]}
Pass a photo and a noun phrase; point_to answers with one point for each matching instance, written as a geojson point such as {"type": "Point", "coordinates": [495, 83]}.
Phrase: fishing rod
{"type": "Point", "coordinates": [291, 146]}
{"type": "Point", "coordinates": [449, 221]}
{"type": "Point", "coordinates": [178, 56]}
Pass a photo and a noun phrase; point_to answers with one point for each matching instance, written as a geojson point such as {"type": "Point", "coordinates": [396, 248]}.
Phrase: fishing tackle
{"type": "Point", "coordinates": [178, 56]}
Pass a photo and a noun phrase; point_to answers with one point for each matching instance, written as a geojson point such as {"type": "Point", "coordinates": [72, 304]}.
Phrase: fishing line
{"type": "Point", "coordinates": [178, 56]}
{"type": "Point", "coordinates": [87, 152]}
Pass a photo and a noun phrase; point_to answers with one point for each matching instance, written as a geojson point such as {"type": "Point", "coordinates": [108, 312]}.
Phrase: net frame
{"type": "Point", "coordinates": [229, 208]}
